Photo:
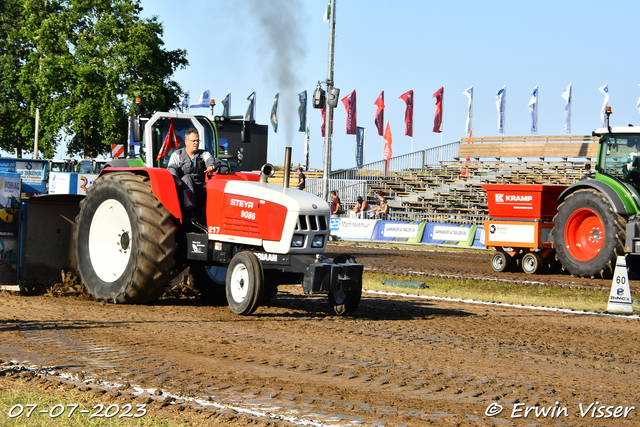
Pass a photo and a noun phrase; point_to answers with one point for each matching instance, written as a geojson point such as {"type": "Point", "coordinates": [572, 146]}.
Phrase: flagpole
{"type": "Point", "coordinates": [329, 108]}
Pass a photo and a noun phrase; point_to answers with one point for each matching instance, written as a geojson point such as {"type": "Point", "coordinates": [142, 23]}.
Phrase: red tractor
{"type": "Point", "coordinates": [132, 239]}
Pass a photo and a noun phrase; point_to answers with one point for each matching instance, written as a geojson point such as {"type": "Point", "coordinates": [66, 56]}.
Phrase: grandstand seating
{"type": "Point", "coordinates": [452, 191]}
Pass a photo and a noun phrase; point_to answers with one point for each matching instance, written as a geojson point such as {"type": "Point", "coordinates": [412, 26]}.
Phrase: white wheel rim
{"type": "Point", "coordinates": [528, 263]}
{"type": "Point", "coordinates": [239, 283]}
{"type": "Point", "coordinates": [110, 240]}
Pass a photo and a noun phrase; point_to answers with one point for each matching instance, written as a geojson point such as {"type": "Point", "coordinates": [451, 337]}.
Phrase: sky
{"type": "Point", "coordinates": [242, 46]}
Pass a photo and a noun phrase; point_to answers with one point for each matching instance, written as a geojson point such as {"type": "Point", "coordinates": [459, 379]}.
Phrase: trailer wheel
{"type": "Point", "coordinates": [210, 281]}
{"type": "Point", "coordinates": [125, 240]}
{"type": "Point", "coordinates": [244, 284]}
{"type": "Point", "coordinates": [588, 234]}
{"type": "Point", "coordinates": [345, 303]}
{"type": "Point", "coordinates": [501, 261]}
{"type": "Point", "coordinates": [531, 263]}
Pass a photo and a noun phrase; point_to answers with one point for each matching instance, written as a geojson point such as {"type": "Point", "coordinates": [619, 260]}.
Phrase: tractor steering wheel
{"type": "Point", "coordinates": [222, 168]}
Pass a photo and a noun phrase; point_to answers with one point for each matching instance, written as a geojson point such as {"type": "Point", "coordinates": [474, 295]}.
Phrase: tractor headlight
{"type": "Point", "coordinates": [297, 241]}
{"type": "Point", "coordinates": [318, 241]}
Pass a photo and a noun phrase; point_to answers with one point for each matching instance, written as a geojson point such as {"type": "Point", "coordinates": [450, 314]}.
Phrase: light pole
{"type": "Point", "coordinates": [329, 108]}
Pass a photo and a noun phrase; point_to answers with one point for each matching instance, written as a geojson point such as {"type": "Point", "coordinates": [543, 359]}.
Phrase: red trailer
{"type": "Point", "coordinates": [520, 225]}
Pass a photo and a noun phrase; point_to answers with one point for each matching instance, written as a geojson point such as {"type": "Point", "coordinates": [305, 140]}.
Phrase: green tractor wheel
{"type": "Point", "coordinates": [588, 234]}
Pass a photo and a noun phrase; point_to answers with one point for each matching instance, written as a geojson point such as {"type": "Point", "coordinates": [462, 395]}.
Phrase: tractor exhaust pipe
{"type": "Point", "coordinates": [287, 168]}
{"type": "Point", "coordinates": [266, 172]}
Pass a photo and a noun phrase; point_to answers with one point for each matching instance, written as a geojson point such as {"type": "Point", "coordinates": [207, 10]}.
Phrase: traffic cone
{"type": "Point", "coordinates": [620, 297]}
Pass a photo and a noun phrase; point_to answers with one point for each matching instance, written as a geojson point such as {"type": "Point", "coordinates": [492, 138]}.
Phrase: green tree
{"type": "Point", "coordinates": [82, 62]}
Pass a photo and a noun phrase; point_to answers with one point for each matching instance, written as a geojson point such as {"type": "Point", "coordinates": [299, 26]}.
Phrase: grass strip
{"type": "Point", "coordinates": [16, 394]}
{"type": "Point", "coordinates": [539, 295]}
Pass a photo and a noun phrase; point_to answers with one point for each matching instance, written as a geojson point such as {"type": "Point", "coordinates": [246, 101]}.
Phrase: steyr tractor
{"type": "Point", "coordinates": [598, 219]}
{"type": "Point", "coordinates": [132, 237]}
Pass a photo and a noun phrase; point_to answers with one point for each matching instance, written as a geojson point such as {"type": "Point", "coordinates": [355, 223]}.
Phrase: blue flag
{"type": "Point", "coordinates": [184, 100]}
{"type": "Point", "coordinates": [501, 105]}
{"type": "Point", "coordinates": [359, 146]}
{"type": "Point", "coordinates": [302, 110]}
{"type": "Point", "coordinates": [202, 101]}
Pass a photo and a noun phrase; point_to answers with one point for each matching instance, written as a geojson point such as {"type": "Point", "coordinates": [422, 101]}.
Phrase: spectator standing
{"type": "Point", "coordinates": [302, 179]}
{"type": "Point", "coordinates": [335, 204]}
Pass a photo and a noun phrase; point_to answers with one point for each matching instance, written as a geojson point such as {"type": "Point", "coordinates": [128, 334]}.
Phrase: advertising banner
{"type": "Point", "coordinates": [347, 228]}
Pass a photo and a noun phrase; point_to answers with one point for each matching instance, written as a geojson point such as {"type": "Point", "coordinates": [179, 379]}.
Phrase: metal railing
{"type": "Point", "coordinates": [347, 189]}
{"type": "Point", "coordinates": [399, 164]}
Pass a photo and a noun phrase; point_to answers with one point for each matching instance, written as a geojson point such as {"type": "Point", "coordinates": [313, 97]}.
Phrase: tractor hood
{"type": "Point", "coordinates": [302, 217]}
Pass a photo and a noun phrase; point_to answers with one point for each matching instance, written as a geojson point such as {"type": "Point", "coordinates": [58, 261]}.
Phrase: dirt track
{"type": "Point", "coordinates": [400, 361]}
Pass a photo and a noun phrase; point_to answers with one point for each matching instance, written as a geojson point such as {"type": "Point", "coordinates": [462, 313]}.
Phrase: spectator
{"type": "Point", "coordinates": [335, 204]}
{"type": "Point", "coordinates": [360, 207]}
{"type": "Point", "coordinates": [382, 210]}
{"type": "Point", "coordinates": [302, 179]}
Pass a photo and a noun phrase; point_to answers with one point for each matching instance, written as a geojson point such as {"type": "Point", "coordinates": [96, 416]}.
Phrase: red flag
{"type": "Point", "coordinates": [380, 114]}
{"type": "Point", "coordinates": [324, 117]}
{"type": "Point", "coordinates": [437, 121]}
{"type": "Point", "coordinates": [170, 141]}
{"type": "Point", "coordinates": [408, 114]}
{"type": "Point", "coordinates": [349, 102]}
{"type": "Point", "coordinates": [387, 143]}
{"type": "Point", "coordinates": [386, 155]}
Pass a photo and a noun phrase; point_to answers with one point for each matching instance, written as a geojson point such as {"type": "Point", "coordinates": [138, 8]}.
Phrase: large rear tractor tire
{"type": "Point", "coordinates": [125, 240]}
{"type": "Point", "coordinates": [345, 303]}
{"type": "Point", "coordinates": [588, 235]}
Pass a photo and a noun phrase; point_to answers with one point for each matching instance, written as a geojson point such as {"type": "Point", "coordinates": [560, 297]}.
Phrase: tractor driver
{"type": "Point", "coordinates": [188, 166]}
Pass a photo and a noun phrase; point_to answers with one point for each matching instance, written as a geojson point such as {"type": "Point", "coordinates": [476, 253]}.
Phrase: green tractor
{"type": "Point", "coordinates": [598, 219]}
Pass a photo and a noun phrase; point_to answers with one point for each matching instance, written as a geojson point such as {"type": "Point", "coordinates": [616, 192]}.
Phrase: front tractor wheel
{"type": "Point", "coordinates": [588, 234]}
{"type": "Point", "coordinates": [125, 240]}
{"type": "Point", "coordinates": [244, 283]}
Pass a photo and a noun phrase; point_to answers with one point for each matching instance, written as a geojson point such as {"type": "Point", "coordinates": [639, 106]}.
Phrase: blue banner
{"type": "Point", "coordinates": [359, 146]}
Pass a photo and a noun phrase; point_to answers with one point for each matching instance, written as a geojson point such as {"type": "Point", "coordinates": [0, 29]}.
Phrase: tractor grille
{"type": "Point", "coordinates": [311, 223]}
{"type": "Point", "coordinates": [241, 227]}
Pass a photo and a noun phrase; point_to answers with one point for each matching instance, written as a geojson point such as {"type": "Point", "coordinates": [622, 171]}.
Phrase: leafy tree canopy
{"type": "Point", "coordinates": [81, 63]}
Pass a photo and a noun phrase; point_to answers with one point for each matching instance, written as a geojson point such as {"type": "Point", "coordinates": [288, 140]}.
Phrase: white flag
{"type": "Point", "coordinates": [501, 105]}
{"type": "Point", "coordinates": [605, 91]}
{"type": "Point", "coordinates": [567, 109]}
{"type": "Point", "coordinates": [638, 104]}
{"type": "Point", "coordinates": [469, 94]}
{"type": "Point", "coordinates": [533, 110]}
{"type": "Point", "coordinates": [202, 101]}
